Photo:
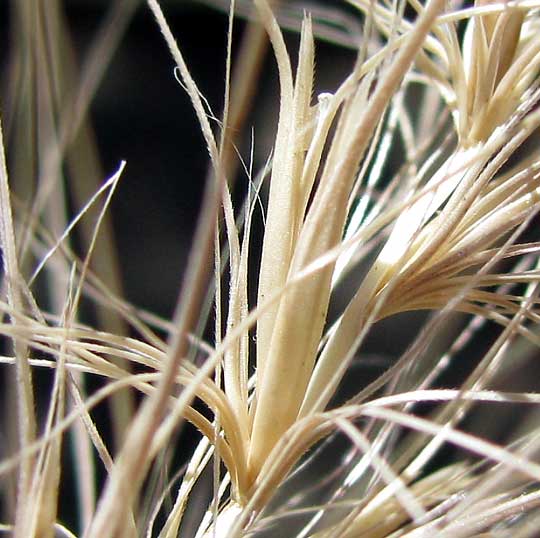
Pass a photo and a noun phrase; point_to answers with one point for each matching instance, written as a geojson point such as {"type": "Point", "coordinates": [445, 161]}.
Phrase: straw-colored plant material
{"type": "Point", "coordinates": [413, 187]}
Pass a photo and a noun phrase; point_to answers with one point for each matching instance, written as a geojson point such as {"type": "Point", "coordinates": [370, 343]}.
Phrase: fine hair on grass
{"type": "Point", "coordinates": [354, 343]}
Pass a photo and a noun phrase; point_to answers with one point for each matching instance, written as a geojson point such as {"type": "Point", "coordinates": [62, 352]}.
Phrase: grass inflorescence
{"type": "Point", "coordinates": [410, 191]}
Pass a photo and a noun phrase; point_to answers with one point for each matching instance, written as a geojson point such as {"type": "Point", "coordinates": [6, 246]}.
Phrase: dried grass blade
{"type": "Point", "coordinates": [296, 337]}
{"type": "Point", "coordinates": [25, 398]}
